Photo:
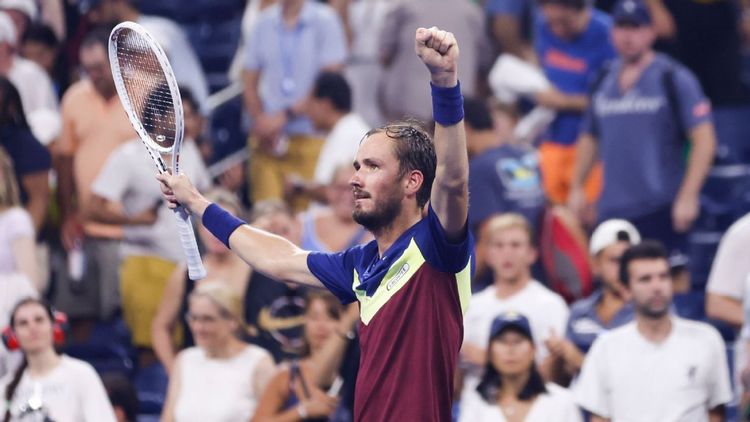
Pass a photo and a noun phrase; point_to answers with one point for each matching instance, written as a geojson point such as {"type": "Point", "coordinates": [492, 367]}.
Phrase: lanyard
{"type": "Point", "coordinates": [288, 45]}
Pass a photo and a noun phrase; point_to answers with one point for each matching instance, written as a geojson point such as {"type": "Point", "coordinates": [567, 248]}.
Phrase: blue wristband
{"type": "Point", "coordinates": [447, 105]}
{"type": "Point", "coordinates": [220, 223]}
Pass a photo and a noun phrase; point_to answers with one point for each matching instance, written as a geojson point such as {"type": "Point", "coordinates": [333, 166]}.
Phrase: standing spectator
{"type": "Point", "coordinates": [330, 110]}
{"type": "Point", "coordinates": [510, 25]}
{"type": "Point", "coordinates": [503, 177]}
{"type": "Point", "coordinates": [47, 385]}
{"type": "Point", "coordinates": [402, 92]}
{"type": "Point", "coordinates": [643, 108]}
{"type": "Point", "coordinates": [512, 389]}
{"type": "Point", "coordinates": [293, 41]}
{"type": "Point", "coordinates": [35, 87]}
{"type": "Point", "coordinates": [221, 378]}
{"type": "Point", "coordinates": [572, 44]}
{"type": "Point", "coordinates": [31, 162]}
{"type": "Point", "coordinates": [187, 68]}
{"type": "Point", "coordinates": [125, 193]}
{"type": "Point", "coordinates": [608, 307]}
{"type": "Point", "coordinates": [510, 253]}
{"type": "Point", "coordinates": [94, 125]}
{"type": "Point", "coordinates": [659, 367]}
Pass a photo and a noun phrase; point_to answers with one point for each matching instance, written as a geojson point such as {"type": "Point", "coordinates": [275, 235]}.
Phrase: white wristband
{"type": "Point", "coordinates": [302, 411]}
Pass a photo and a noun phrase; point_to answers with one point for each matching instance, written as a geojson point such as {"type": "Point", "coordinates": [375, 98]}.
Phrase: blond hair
{"type": "Point", "coordinates": [228, 301]}
{"type": "Point", "coordinates": [507, 221]}
{"type": "Point", "coordinates": [9, 195]}
{"type": "Point", "coordinates": [225, 198]}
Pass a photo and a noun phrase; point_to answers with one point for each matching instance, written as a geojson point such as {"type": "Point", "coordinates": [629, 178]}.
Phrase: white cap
{"type": "Point", "coordinates": [609, 232]}
{"type": "Point", "coordinates": [27, 7]}
{"type": "Point", "coordinates": [7, 29]}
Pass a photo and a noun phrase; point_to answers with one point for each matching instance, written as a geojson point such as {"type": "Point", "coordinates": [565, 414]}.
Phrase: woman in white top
{"type": "Point", "coordinates": [222, 378]}
{"type": "Point", "coordinates": [512, 390]}
{"type": "Point", "coordinates": [49, 386]}
{"type": "Point", "coordinates": [16, 227]}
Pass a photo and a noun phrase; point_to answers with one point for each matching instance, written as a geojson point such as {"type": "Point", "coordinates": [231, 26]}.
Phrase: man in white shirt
{"type": "Point", "coordinates": [659, 368]}
{"type": "Point", "coordinates": [330, 110]}
{"type": "Point", "coordinates": [510, 254]}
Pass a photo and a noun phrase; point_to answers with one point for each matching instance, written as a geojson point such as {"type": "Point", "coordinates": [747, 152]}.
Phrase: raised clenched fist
{"type": "Point", "coordinates": [438, 50]}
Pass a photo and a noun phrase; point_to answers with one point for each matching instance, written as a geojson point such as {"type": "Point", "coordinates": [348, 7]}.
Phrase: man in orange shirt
{"type": "Point", "coordinates": [94, 124]}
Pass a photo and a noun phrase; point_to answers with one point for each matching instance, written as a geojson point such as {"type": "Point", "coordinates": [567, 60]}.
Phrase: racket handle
{"type": "Point", "coordinates": [189, 245]}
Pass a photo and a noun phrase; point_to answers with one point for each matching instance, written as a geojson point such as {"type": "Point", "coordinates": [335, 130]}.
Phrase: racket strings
{"type": "Point", "coordinates": [147, 87]}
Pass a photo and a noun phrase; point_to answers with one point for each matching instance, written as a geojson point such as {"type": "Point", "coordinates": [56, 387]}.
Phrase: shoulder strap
{"type": "Point", "coordinates": [593, 88]}
{"type": "Point", "coordinates": [673, 101]}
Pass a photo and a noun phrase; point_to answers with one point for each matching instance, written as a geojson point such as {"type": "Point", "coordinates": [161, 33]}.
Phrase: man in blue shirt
{"type": "Point", "coordinates": [640, 113]}
{"type": "Point", "coordinates": [608, 307]}
{"type": "Point", "coordinates": [572, 44]}
{"type": "Point", "coordinates": [291, 43]}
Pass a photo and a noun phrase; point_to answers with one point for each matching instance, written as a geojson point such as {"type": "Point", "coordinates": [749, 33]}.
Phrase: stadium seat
{"type": "Point", "coordinates": [151, 386]}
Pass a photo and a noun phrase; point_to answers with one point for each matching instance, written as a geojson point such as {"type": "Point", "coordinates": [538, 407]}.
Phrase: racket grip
{"type": "Point", "coordinates": [196, 271]}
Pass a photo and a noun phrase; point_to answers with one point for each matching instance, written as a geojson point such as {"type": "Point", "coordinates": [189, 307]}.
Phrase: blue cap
{"type": "Point", "coordinates": [632, 12]}
{"type": "Point", "coordinates": [511, 320]}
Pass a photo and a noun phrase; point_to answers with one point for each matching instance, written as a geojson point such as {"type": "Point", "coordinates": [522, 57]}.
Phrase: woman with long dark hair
{"type": "Point", "coordinates": [48, 385]}
{"type": "Point", "coordinates": [511, 389]}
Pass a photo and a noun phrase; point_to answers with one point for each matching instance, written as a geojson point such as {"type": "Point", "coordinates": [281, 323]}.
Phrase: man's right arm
{"type": "Point", "coordinates": [272, 255]}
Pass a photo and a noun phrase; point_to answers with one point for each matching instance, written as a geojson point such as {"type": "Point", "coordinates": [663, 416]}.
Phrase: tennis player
{"type": "Point", "coordinates": [412, 281]}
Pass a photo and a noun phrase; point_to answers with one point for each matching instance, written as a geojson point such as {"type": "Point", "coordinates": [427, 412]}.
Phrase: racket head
{"type": "Point", "coordinates": [147, 88]}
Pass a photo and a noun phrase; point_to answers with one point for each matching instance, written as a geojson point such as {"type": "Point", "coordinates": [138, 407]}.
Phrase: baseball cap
{"type": "Point", "coordinates": [27, 7]}
{"type": "Point", "coordinates": [510, 320]}
{"type": "Point", "coordinates": [7, 29]}
{"type": "Point", "coordinates": [610, 232]}
{"type": "Point", "coordinates": [632, 12]}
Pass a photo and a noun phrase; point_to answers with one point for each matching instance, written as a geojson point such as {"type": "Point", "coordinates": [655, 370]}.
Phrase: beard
{"type": "Point", "coordinates": [382, 216]}
{"type": "Point", "coordinates": [652, 312]}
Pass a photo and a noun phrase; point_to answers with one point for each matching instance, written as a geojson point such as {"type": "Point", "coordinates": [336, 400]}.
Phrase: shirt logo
{"type": "Point", "coordinates": [396, 278]}
{"type": "Point", "coordinates": [560, 60]}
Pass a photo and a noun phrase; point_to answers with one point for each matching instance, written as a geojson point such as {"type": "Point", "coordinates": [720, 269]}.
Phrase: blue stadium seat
{"type": "Point", "coordinates": [151, 386]}
{"type": "Point", "coordinates": [108, 349]}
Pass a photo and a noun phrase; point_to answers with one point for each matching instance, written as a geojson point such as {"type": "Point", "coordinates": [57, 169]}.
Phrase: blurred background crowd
{"type": "Point", "coordinates": [591, 125]}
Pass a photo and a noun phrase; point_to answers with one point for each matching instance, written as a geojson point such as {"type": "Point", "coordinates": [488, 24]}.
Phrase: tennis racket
{"type": "Point", "coordinates": [148, 91]}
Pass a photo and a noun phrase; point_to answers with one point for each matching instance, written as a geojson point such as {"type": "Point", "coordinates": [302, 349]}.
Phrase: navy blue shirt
{"type": "Point", "coordinates": [27, 153]}
{"type": "Point", "coordinates": [505, 179]}
{"type": "Point", "coordinates": [639, 139]}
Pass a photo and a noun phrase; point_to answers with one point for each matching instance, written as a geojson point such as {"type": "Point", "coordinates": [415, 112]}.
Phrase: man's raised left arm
{"type": "Point", "coordinates": [438, 50]}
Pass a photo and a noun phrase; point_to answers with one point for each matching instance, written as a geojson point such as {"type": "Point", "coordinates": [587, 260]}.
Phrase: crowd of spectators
{"type": "Point", "coordinates": [609, 196]}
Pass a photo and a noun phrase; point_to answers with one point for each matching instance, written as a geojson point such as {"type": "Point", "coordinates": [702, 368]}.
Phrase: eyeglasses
{"type": "Point", "coordinates": [203, 319]}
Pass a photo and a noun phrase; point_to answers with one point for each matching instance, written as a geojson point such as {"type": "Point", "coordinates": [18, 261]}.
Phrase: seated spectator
{"type": "Point", "coordinates": [294, 392]}
{"type": "Point", "coordinates": [512, 389]}
{"type": "Point", "coordinates": [503, 177]}
{"type": "Point", "coordinates": [510, 253]}
{"type": "Point", "coordinates": [659, 367]}
{"type": "Point", "coordinates": [329, 109]}
{"type": "Point", "coordinates": [31, 161]}
{"type": "Point", "coordinates": [168, 34]}
{"type": "Point", "coordinates": [608, 307]}
{"type": "Point", "coordinates": [272, 310]}
{"type": "Point", "coordinates": [222, 377]}
{"type": "Point", "coordinates": [48, 385]}
{"type": "Point", "coordinates": [332, 228]}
